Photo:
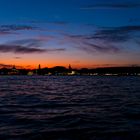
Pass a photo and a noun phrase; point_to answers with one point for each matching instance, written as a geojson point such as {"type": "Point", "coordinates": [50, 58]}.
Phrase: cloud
{"type": "Point", "coordinates": [13, 27]}
{"type": "Point", "coordinates": [127, 5]}
{"type": "Point", "coordinates": [63, 23]}
{"type": "Point", "coordinates": [17, 57]}
{"type": "Point", "coordinates": [19, 49]}
{"type": "Point", "coordinates": [49, 22]}
{"type": "Point", "coordinates": [84, 43]}
{"type": "Point", "coordinates": [9, 66]}
{"type": "Point", "coordinates": [28, 46]}
{"type": "Point", "coordinates": [105, 39]}
{"type": "Point", "coordinates": [131, 20]}
{"type": "Point", "coordinates": [105, 65]}
{"type": "Point", "coordinates": [116, 34]}
{"type": "Point", "coordinates": [91, 47]}
{"type": "Point", "coordinates": [137, 41]}
{"type": "Point", "coordinates": [4, 48]}
{"type": "Point", "coordinates": [10, 29]}
{"type": "Point", "coordinates": [56, 50]}
{"type": "Point", "coordinates": [22, 49]}
{"type": "Point", "coordinates": [5, 33]}
{"type": "Point", "coordinates": [5, 66]}
{"type": "Point", "coordinates": [32, 42]}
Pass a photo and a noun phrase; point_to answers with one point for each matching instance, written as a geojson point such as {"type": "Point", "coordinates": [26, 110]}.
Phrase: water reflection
{"type": "Point", "coordinates": [49, 107]}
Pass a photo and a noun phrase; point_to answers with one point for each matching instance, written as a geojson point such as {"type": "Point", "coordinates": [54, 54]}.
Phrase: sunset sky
{"type": "Point", "coordinates": [83, 33]}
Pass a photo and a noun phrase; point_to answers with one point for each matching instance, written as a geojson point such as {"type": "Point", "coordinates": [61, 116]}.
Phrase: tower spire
{"type": "Point", "coordinates": [70, 67]}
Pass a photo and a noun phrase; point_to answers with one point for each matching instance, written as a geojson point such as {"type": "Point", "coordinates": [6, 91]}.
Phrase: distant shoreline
{"type": "Point", "coordinates": [63, 71]}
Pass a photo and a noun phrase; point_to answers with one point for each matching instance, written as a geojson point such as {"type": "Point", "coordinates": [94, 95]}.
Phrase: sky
{"type": "Point", "coordinates": [83, 33]}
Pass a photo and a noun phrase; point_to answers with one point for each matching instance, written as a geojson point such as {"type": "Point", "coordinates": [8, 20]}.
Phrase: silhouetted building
{"type": "Point", "coordinates": [39, 67]}
{"type": "Point", "coordinates": [39, 70]}
{"type": "Point", "coordinates": [13, 71]}
{"type": "Point", "coordinates": [70, 69]}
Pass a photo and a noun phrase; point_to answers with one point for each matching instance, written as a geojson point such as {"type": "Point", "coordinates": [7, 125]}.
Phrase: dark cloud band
{"type": "Point", "coordinates": [19, 49]}
{"type": "Point", "coordinates": [10, 29]}
{"type": "Point", "coordinates": [111, 6]}
{"type": "Point", "coordinates": [26, 50]}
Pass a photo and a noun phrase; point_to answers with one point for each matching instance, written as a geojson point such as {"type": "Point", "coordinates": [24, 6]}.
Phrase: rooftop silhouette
{"type": "Point", "coordinates": [61, 70]}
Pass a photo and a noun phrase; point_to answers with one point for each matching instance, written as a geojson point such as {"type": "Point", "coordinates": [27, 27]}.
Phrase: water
{"type": "Point", "coordinates": [69, 108]}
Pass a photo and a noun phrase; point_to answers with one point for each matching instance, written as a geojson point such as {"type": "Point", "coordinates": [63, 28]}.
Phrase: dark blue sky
{"type": "Point", "coordinates": [81, 32]}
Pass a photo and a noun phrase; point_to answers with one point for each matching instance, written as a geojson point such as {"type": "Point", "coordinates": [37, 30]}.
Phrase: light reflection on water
{"type": "Point", "coordinates": [69, 107]}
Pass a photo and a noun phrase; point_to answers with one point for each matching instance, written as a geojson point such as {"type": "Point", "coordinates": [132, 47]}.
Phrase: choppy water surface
{"type": "Point", "coordinates": [69, 108]}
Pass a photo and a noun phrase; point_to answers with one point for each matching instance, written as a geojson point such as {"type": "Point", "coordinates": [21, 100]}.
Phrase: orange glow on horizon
{"type": "Point", "coordinates": [76, 61]}
{"type": "Point", "coordinates": [35, 65]}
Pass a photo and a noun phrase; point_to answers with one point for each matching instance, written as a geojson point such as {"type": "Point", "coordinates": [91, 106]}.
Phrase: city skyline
{"type": "Point", "coordinates": [83, 33]}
